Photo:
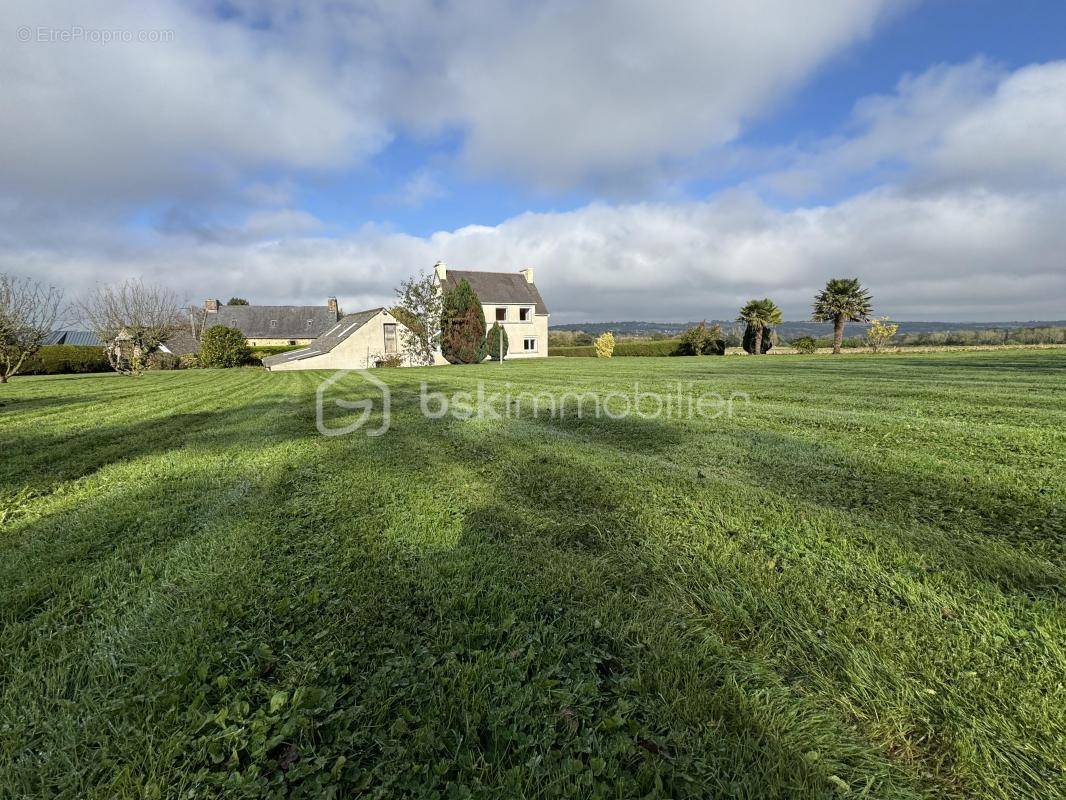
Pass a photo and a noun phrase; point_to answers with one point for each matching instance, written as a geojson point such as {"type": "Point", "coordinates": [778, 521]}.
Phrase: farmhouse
{"type": "Point", "coordinates": [511, 299]}
{"type": "Point", "coordinates": [265, 326]}
{"type": "Point", "coordinates": [368, 338]}
{"type": "Point", "coordinates": [357, 341]}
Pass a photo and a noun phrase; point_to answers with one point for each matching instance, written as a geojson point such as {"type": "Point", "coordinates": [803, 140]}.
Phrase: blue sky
{"type": "Point", "coordinates": [951, 31]}
{"type": "Point", "coordinates": [647, 165]}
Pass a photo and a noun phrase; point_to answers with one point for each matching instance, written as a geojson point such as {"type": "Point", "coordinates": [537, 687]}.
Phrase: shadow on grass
{"type": "Point", "coordinates": [38, 461]}
{"type": "Point", "coordinates": [967, 518]}
{"type": "Point", "coordinates": [541, 634]}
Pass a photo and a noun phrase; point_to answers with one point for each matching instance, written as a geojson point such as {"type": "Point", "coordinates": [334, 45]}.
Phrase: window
{"type": "Point", "coordinates": [501, 314]}
{"type": "Point", "coordinates": [525, 314]}
{"type": "Point", "coordinates": [292, 341]}
{"type": "Point", "coordinates": [310, 323]}
{"type": "Point", "coordinates": [390, 338]}
{"type": "Point", "coordinates": [273, 323]}
{"type": "Point", "coordinates": [529, 344]}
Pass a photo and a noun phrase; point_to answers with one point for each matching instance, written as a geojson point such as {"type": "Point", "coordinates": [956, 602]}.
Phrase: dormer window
{"type": "Point", "coordinates": [501, 314]}
{"type": "Point", "coordinates": [525, 314]}
{"type": "Point", "coordinates": [310, 322]}
{"type": "Point", "coordinates": [273, 323]}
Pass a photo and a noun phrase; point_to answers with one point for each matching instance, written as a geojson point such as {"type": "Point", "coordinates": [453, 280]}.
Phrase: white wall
{"type": "Point", "coordinates": [355, 352]}
{"type": "Point", "coordinates": [517, 330]}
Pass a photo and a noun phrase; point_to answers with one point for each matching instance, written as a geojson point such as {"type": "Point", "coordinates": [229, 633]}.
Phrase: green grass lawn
{"type": "Point", "coordinates": [852, 587]}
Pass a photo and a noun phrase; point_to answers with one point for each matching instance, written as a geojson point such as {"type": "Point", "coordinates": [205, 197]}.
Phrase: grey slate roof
{"type": "Point", "coordinates": [332, 337]}
{"type": "Point", "coordinates": [182, 342]}
{"type": "Point", "coordinates": [292, 322]}
{"type": "Point", "coordinates": [79, 338]}
{"type": "Point", "coordinates": [498, 287]}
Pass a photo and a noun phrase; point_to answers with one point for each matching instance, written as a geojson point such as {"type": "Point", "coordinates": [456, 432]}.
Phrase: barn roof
{"type": "Point", "coordinates": [275, 322]}
{"type": "Point", "coordinates": [332, 337]}
{"type": "Point", "coordinates": [77, 338]}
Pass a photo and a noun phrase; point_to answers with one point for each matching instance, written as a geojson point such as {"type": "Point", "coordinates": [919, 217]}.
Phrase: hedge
{"type": "Point", "coordinates": [654, 347]}
{"type": "Point", "coordinates": [66, 359]}
{"type": "Point", "coordinates": [255, 359]}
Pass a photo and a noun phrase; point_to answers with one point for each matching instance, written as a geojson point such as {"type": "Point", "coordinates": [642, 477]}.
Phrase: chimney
{"type": "Point", "coordinates": [211, 306]}
{"type": "Point", "coordinates": [331, 304]}
{"type": "Point", "coordinates": [442, 270]}
{"type": "Point", "coordinates": [528, 273]}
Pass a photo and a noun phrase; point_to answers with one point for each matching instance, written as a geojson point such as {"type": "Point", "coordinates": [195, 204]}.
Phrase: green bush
{"type": "Point", "coordinates": [164, 361]}
{"type": "Point", "coordinates": [699, 340]}
{"type": "Point", "coordinates": [391, 360]}
{"type": "Point", "coordinates": [65, 359]}
{"type": "Point", "coordinates": [659, 347]}
{"type": "Point", "coordinates": [749, 340]}
{"type": "Point", "coordinates": [805, 345]}
{"type": "Point", "coordinates": [462, 326]}
{"type": "Point", "coordinates": [493, 341]}
{"type": "Point", "coordinates": [256, 356]}
{"type": "Point", "coordinates": [573, 352]}
{"type": "Point", "coordinates": [223, 347]}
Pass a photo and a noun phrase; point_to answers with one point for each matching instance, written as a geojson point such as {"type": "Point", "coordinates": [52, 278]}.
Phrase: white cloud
{"type": "Point", "coordinates": [970, 124]}
{"type": "Point", "coordinates": [420, 188]}
{"type": "Point", "coordinates": [558, 91]}
{"type": "Point", "coordinates": [553, 93]}
{"type": "Point", "coordinates": [968, 161]}
{"type": "Point", "coordinates": [129, 121]}
{"type": "Point", "coordinates": [965, 255]}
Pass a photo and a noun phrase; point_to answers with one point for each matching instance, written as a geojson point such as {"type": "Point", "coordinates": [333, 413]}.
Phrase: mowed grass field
{"type": "Point", "coordinates": [852, 587]}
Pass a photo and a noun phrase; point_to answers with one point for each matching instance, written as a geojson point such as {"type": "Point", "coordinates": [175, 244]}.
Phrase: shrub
{"type": "Point", "coordinates": [188, 361]}
{"type": "Point", "coordinates": [573, 352]}
{"type": "Point", "coordinates": [387, 361]}
{"type": "Point", "coordinates": [462, 326]}
{"type": "Point", "coordinates": [496, 338]}
{"type": "Point", "coordinates": [661, 347]}
{"type": "Point", "coordinates": [749, 340]}
{"type": "Point", "coordinates": [223, 347]}
{"type": "Point", "coordinates": [880, 332]}
{"type": "Point", "coordinates": [699, 340]}
{"type": "Point", "coordinates": [605, 345]}
{"type": "Point", "coordinates": [805, 345]}
{"type": "Point", "coordinates": [257, 355]}
{"type": "Point", "coordinates": [163, 361]}
{"type": "Point", "coordinates": [65, 359]}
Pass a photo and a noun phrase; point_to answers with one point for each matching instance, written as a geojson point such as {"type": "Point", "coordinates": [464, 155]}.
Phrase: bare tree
{"type": "Point", "coordinates": [131, 320]}
{"type": "Point", "coordinates": [28, 313]}
{"type": "Point", "coordinates": [419, 308]}
{"type": "Point", "coordinates": [197, 316]}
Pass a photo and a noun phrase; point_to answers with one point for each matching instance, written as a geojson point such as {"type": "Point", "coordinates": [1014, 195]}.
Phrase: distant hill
{"type": "Point", "coordinates": [792, 330]}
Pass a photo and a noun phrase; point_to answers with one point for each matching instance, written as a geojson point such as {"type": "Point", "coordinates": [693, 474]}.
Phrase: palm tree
{"type": "Point", "coordinates": [760, 315]}
{"type": "Point", "coordinates": [842, 300]}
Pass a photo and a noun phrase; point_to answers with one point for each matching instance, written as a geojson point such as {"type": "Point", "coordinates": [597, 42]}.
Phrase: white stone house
{"type": "Point", "coordinates": [357, 341]}
{"type": "Point", "coordinates": [366, 338]}
{"type": "Point", "coordinates": [511, 299]}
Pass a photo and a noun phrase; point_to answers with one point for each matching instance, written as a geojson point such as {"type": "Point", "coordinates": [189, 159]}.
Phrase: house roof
{"type": "Point", "coordinates": [182, 342]}
{"type": "Point", "coordinates": [498, 287]}
{"type": "Point", "coordinates": [332, 337]}
{"type": "Point", "coordinates": [78, 338]}
{"type": "Point", "coordinates": [290, 322]}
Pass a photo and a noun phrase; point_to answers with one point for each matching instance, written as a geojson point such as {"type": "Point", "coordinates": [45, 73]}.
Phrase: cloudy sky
{"type": "Point", "coordinates": [656, 161]}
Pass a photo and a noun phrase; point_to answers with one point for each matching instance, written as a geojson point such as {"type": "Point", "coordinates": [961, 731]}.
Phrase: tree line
{"type": "Point", "coordinates": [842, 300]}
